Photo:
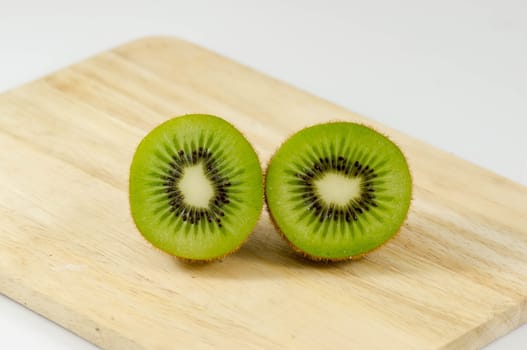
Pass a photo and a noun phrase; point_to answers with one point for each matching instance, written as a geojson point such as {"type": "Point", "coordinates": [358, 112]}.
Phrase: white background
{"type": "Point", "coordinates": [453, 73]}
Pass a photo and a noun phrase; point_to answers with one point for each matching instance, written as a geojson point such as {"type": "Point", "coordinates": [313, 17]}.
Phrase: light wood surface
{"type": "Point", "coordinates": [454, 278]}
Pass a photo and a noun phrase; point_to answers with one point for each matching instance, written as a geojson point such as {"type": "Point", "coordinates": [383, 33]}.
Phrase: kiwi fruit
{"type": "Point", "coordinates": [338, 190]}
{"type": "Point", "coordinates": [196, 187]}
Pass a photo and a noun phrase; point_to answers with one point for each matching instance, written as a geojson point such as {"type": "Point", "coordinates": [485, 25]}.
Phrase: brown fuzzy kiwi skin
{"type": "Point", "coordinates": [319, 259]}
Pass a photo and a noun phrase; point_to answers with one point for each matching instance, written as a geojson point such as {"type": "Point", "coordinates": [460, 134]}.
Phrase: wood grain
{"type": "Point", "coordinates": [454, 278]}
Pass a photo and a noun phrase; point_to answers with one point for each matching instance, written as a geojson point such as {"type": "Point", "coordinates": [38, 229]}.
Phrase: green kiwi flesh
{"type": "Point", "coordinates": [195, 187]}
{"type": "Point", "coordinates": [338, 190]}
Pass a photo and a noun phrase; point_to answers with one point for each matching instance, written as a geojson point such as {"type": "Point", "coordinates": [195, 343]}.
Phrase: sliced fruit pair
{"type": "Point", "coordinates": [334, 191]}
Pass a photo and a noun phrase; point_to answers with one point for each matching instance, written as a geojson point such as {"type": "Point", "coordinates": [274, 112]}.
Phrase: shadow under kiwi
{"type": "Point", "coordinates": [265, 255]}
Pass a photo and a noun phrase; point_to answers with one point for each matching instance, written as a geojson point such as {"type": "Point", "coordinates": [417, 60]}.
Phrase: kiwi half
{"type": "Point", "coordinates": [338, 190]}
{"type": "Point", "coordinates": [195, 187]}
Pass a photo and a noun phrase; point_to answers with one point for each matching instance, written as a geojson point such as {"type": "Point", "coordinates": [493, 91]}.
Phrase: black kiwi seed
{"type": "Point", "coordinates": [221, 198]}
{"type": "Point", "coordinates": [312, 199]}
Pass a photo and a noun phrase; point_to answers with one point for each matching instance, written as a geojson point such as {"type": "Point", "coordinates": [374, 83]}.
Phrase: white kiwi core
{"type": "Point", "coordinates": [338, 189]}
{"type": "Point", "coordinates": [196, 188]}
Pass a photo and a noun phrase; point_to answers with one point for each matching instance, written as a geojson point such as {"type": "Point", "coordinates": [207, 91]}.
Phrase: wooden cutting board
{"type": "Point", "coordinates": [454, 278]}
